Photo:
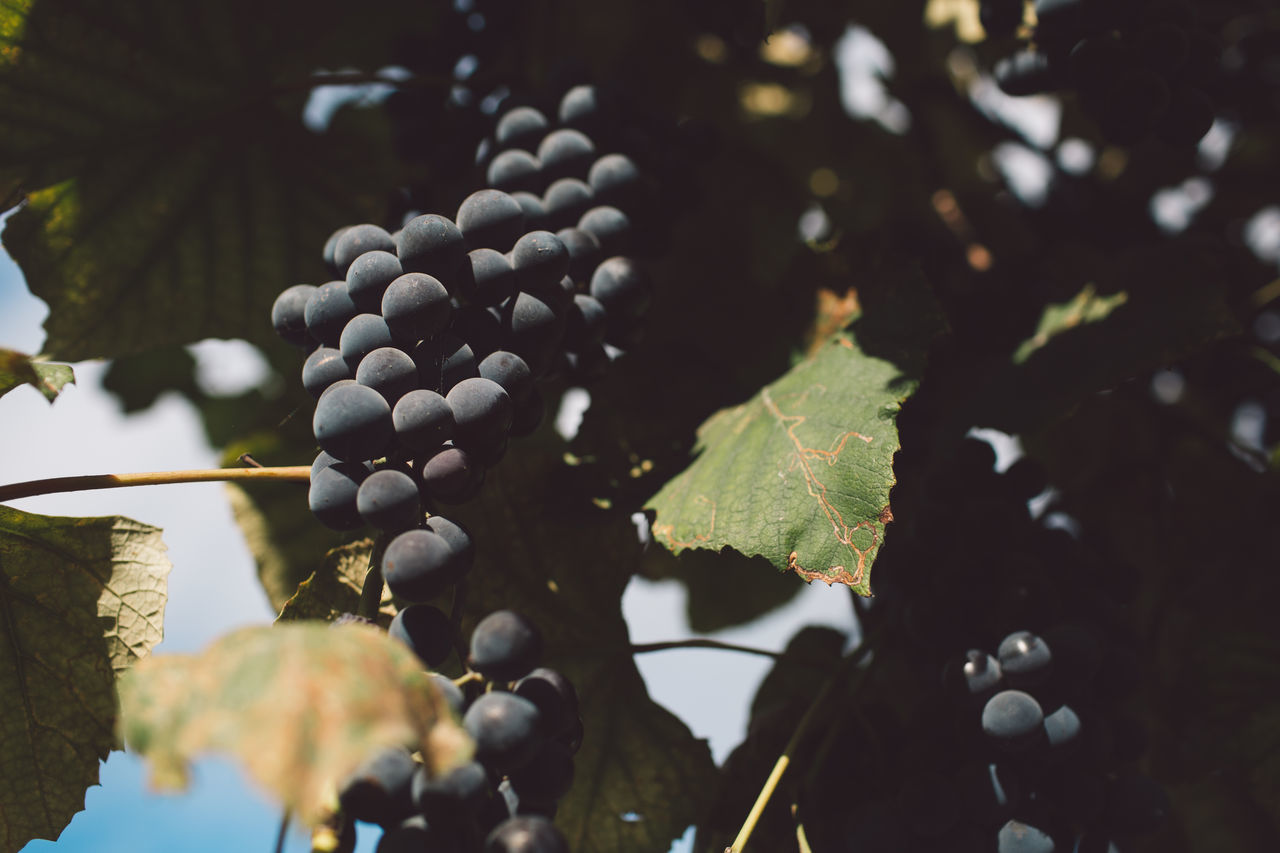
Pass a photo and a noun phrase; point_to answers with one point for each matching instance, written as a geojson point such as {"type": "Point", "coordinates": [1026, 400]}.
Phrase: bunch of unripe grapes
{"type": "Point", "coordinates": [524, 720]}
{"type": "Point", "coordinates": [1139, 67]}
{"type": "Point", "coordinates": [426, 347]}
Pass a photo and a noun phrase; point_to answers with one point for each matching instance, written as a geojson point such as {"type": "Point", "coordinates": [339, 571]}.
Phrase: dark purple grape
{"type": "Point", "coordinates": [505, 646]}
{"type": "Point", "coordinates": [505, 730]}
{"type": "Point", "coordinates": [432, 244]}
{"type": "Point", "coordinates": [481, 412]}
{"type": "Point", "coordinates": [353, 422]}
{"type": "Point", "coordinates": [585, 322]}
{"type": "Point", "coordinates": [332, 494]}
{"type": "Point", "coordinates": [288, 315]}
{"type": "Point", "coordinates": [511, 372]}
{"type": "Point", "coordinates": [451, 475]}
{"type": "Point", "coordinates": [555, 697]}
{"type": "Point", "coordinates": [584, 253]}
{"type": "Point", "coordinates": [487, 279]}
{"type": "Point", "coordinates": [520, 127]}
{"type": "Point", "coordinates": [415, 835]}
{"type": "Point", "coordinates": [490, 219]}
{"type": "Point", "coordinates": [479, 326]}
{"type": "Point", "coordinates": [622, 288]}
{"type": "Point", "coordinates": [548, 774]}
{"type": "Point", "coordinates": [422, 421]}
{"type": "Point", "coordinates": [566, 153]}
{"type": "Point", "coordinates": [1018, 837]}
{"type": "Point", "coordinates": [427, 632]}
{"type": "Point", "coordinates": [328, 311]}
{"type": "Point", "coordinates": [331, 248]}
{"type": "Point", "coordinates": [420, 564]}
{"type": "Point", "coordinates": [616, 180]}
{"type": "Point", "coordinates": [388, 499]}
{"type": "Point", "coordinates": [1062, 729]}
{"type": "Point", "coordinates": [526, 834]}
{"type": "Point", "coordinates": [565, 201]}
{"type": "Point", "coordinates": [535, 212]}
{"type": "Point", "coordinates": [1025, 659]}
{"type": "Point", "coordinates": [1028, 72]}
{"type": "Point", "coordinates": [976, 677]}
{"type": "Point", "coordinates": [444, 362]}
{"type": "Point", "coordinates": [322, 368]}
{"type": "Point", "coordinates": [390, 372]}
{"type": "Point", "coordinates": [539, 260]}
{"type": "Point", "coordinates": [380, 789]}
{"type": "Point", "coordinates": [368, 277]}
{"type": "Point", "coordinates": [362, 335]}
{"type": "Point", "coordinates": [451, 692]}
{"type": "Point", "coordinates": [533, 330]}
{"type": "Point", "coordinates": [1013, 719]}
{"type": "Point", "coordinates": [357, 240]}
{"type": "Point", "coordinates": [416, 306]}
{"type": "Point", "coordinates": [515, 170]}
{"type": "Point", "coordinates": [584, 108]}
{"type": "Point", "coordinates": [454, 796]}
{"type": "Point", "coordinates": [610, 227]}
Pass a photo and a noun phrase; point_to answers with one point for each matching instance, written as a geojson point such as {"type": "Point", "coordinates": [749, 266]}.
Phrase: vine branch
{"type": "Point", "coordinates": [702, 643]}
{"type": "Point", "coordinates": [86, 482]}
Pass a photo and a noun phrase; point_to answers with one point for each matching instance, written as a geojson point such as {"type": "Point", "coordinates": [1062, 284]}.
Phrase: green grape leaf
{"type": "Point", "coordinates": [334, 588]}
{"type": "Point", "coordinates": [81, 600]}
{"type": "Point", "coordinates": [546, 549]}
{"type": "Point", "coordinates": [18, 369]}
{"type": "Point", "coordinates": [299, 704]}
{"type": "Point", "coordinates": [799, 474]}
{"type": "Point", "coordinates": [172, 189]}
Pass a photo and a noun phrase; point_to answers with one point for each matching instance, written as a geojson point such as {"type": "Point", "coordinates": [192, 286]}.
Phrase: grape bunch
{"type": "Point", "coordinates": [524, 720]}
{"type": "Point", "coordinates": [1139, 67]}
{"type": "Point", "coordinates": [426, 348]}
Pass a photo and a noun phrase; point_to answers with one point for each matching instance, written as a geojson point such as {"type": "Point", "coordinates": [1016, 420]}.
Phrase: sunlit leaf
{"type": "Point", "coordinates": [18, 369]}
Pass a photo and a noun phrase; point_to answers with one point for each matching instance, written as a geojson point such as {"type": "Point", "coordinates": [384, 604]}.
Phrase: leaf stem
{"type": "Point", "coordinates": [85, 482]}
{"type": "Point", "coordinates": [797, 737]}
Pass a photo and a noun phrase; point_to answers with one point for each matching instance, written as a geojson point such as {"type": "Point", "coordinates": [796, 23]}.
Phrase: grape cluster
{"type": "Point", "coordinates": [525, 723]}
{"type": "Point", "coordinates": [1139, 67]}
{"type": "Point", "coordinates": [426, 348]}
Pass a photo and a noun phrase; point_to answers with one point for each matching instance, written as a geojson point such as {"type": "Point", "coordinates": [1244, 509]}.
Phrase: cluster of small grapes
{"type": "Point", "coordinates": [525, 723]}
{"type": "Point", "coordinates": [1139, 67]}
{"type": "Point", "coordinates": [1029, 749]}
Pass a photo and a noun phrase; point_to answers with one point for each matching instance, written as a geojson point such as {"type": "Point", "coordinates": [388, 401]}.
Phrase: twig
{"type": "Point", "coordinates": [86, 482]}
{"type": "Point", "coordinates": [702, 643]}
{"type": "Point", "coordinates": [284, 831]}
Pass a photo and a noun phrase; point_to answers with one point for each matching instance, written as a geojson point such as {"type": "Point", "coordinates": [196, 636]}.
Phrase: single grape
{"type": "Point", "coordinates": [368, 278]}
{"type": "Point", "coordinates": [1018, 837]}
{"type": "Point", "coordinates": [487, 279]}
{"type": "Point", "coordinates": [611, 228]}
{"type": "Point", "coordinates": [480, 326]}
{"type": "Point", "coordinates": [416, 306]}
{"type": "Point", "coordinates": [555, 696]}
{"type": "Point", "coordinates": [515, 170]}
{"type": "Point", "coordinates": [1027, 72]}
{"type": "Point", "coordinates": [583, 107]}
{"type": "Point", "coordinates": [331, 248]}
{"type": "Point", "coordinates": [505, 729]}
{"type": "Point", "coordinates": [533, 330]}
{"type": "Point", "coordinates": [1012, 719]}
{"type": "Point", "coordinates": [432, 245]}
{"type": "Point", "coordinates": [565, 201]}
{"type": "Point", "coordinates": [328, 311]}
{"type": "Point", "coordinates": [511, 372]}
{"type": "Point", "coordinates": [444, 362]}
{"type": "Point", "coordinates": [615, 180]}
{"type": "Point", "coordinates": [420, 564]}
{"type": "Point", "coordinates": [585, 322]}
{"type": "Point", "coordinates": [1025, 659]}
{"type": "Point", "coordinates": [584, 253]}
{"type": "Point", "coordinates": [388, 500]}
{"type": "Point", "coordinates": [454, 796]}
{"type": "Point", "coordinates": [451, 692]}
{"type": "Point", "coordinates": [322, 368]}
{"type": "Point", "coordinates": [332, 494]}
{"type": "Point", "coordinates": [357, 240]}
{"type": "Point", "coordinates": [451, 474]}
{"type": "Point", "coordinates": [380, 789]}
{"type": "Point", "coordinates": [566, 153]}
{"type": "Point", "coordinates": [490, 219]}
{"type": "Point", "coordinates": [535, 212]}
{"type": "Point", "coordinates": [422, 421]}
{"type": "Point", "coordinates": [353, 422]}
{"type": "Point", "coordinates": [520, 127]}
{"type": "Point", "coordinates": [288, 315]}
{"type": "Point", "coordinates": [456, 535]}
{"type": "Point", "coordinates": [427, 632]}
{"type": "Point", "coordinates": [390, 372]}
{"type": "Point", "coordinates": [415, 835]}
{"type": "Point", "coordinates": [481, 412]}
{"type": "Point", "coordinates": [539, 260]}
{"type": "Point", "coordinates": [361, 336]}
{"type": "Point", "coordinates": [622, 288]}
{"type": "Point", "coordinates": [505, 646]}
{"type": "Point", "coordinates": [1062, 729]}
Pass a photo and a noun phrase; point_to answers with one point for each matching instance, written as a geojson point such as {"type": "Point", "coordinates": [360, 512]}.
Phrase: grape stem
{"type": "Point", "coordinates": [702, 643]}
{"type": "Point", "coordinates": [371, 590]}
{"type": "Point", "coordinates": [283, 832]}
{"type": "Point", "coordinates": [85, 482]}
{"type": "Point", "coordinates": [797, 737]}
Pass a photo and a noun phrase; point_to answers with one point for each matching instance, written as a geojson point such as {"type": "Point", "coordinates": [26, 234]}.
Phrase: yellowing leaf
{"type": "Point", "coordinates": [81, 599]}
{"type": "Point", "coordinates": [18, 369]}
{"type": "Point", "coordinates": [334, 588]}
{"type": "Point", "coordinates": [300, 705]}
